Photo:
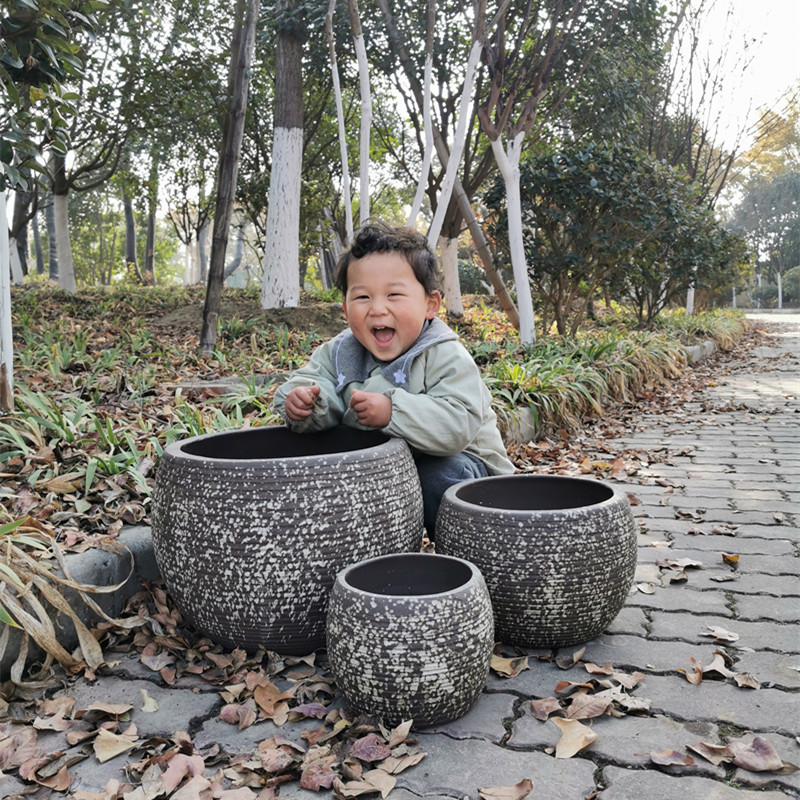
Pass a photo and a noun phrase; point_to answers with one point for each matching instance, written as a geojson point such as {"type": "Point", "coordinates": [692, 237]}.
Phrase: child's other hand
{"type": "Point", "coordinates": [300, 402]}
{"type": "Point", "coordinates": [373, 410]}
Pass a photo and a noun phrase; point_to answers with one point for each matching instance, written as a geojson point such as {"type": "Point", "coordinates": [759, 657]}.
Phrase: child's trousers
{"type": "Point", "coordinates": [439, 473]}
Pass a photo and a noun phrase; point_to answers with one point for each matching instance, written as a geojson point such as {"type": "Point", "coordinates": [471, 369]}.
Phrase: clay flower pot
{"type": "Point", "coordinates": [558, 553]}
{"type": "Point", "coordinates": [250, 527]}
{"type": "Point", "coordinates": [410, 636]}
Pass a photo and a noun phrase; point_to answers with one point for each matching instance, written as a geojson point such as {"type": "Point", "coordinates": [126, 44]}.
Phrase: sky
{"type": "Point", "coordinates": [771, 29]}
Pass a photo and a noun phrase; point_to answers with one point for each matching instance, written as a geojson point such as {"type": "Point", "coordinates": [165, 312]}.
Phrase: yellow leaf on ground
{"type": "Point", "coordinates": [574, 737]}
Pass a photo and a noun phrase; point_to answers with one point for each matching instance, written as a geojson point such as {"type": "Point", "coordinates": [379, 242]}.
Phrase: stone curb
{"type": "Point", "coordinates": [100, 568]}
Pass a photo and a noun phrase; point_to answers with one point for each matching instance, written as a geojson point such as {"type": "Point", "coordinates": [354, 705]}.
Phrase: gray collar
{"type": "Point", "coordinates": [353, 362]}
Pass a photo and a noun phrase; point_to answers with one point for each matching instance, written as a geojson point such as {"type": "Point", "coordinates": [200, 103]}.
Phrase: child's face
{"type": "Point", "coordinates": [385, 305]}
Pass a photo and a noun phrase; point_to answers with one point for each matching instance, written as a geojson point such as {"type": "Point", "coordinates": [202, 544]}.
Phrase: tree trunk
{"type": "Point", "coordinates": [459, 139]}
{"type": "Point", "coordinates": [19, 228]}
{"type": "Point", "coordinates": [202, 252]}
{"type": "Point", "coordinates": [337, 92]}
{"type": "Point", "coordinates": [281, 284]}
{"type": "Point", "coordinates": [66, 269]}
{"type": "Point", "coordinates": [366, 110]}
{"type": "Point", "coordinates": [50, 225]}
{"type": "Point", "coordinates": [150, 241]}
{"type": "Point", "coordinates": [244, 33]}
{"type": "Point", "coordinates": [509, 167]}
{"type": "Point", "coordinates": [37, 245]}
{"type": "Point", "coordinates": [448, 253]}
{"type": "Point", "coordinates": [131, 262]}
{"type": "Point", "coordinates": [6, 332]}
{"type": "Point", "coordinates": [238, 253]}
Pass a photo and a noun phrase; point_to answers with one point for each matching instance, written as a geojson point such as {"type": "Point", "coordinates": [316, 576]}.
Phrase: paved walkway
{"type": "Point", "coordinates": [719, 477]}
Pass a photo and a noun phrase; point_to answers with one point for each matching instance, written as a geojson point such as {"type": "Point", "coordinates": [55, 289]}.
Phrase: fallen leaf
{"type": "Point", "coordinates": [508, 667]}
{"type": "Point", "coordinates": [717, 666]}
{"type": "Point", "coordinates": [730, 576]}
{"type": "Point", "coordinates": [516, 792]}
{"type": "Point", "coordinates": [595, 670]}
{"type": "Point", "coordinates": [756, 755]}
{"type": "Point", "coordinates": [113, 709]}
{"type": "Point", "coordinates": [715, 753]}
{"type": "Point", "coordinates": [720, 633]}
{"type": "Point", "coordinates": [568, 660]}
{"type": "Point", "coordinates": [574, 737]}
{"type": "Point", "coordinates": [731, 559]}
{"type": "Point", "coordinates": [107, 745]}
{"type": "Point", "coordinates": [747, 680]}
{"type": "Point", "coordinates": [671, 758]}
{"type": "Point", "coordinates": [585, 706]}
{"type": "Point", "coordinates": [148, 704]}
{"type": "Point", "coordinates": [542, 709]}
{"type": "Point", "coordinates": [695, 674]}
{"type": "Point", "coordinates": [394, 765]}
{"type": "Point", "coordinates": [179, 767]}
{"type": "Point", "coordinates": [399, 734]}
{"type": "Point", "coordinates": [369, 748]}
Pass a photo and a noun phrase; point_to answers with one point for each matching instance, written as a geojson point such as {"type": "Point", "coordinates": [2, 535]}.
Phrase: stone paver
{"type": "Point", "coordinates": [732, 461]}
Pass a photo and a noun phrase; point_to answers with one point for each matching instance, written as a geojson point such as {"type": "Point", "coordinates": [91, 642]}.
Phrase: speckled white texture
{"type": "Point", "coordinates": [556, 577]}
{"type": "Point", "coordinates": [420, 657]}
{"type": "Point", "coordinates": [249, 549]}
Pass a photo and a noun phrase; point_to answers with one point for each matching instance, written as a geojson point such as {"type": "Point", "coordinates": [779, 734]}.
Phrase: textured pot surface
{"type": "Point", "coordinates": [250, 527]}
{"type": "Point", "coordinates": [410, 636]}
{"type": "Point", "coordinates": [558, 553]}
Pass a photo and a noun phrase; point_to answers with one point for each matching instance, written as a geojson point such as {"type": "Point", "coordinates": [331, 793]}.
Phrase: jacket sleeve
{"type": "Point", "coordinates": [330, 406]}
{"type": "Point", "coordinates": [445, 418]}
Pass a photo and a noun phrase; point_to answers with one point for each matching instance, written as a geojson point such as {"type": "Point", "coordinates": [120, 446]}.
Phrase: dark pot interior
{"type": "Point", "coordinates": [409, 574]}
{"type": "Point", "coordinates": [280, 442]}
{"type": "Point", "coordinates": [534, 492]}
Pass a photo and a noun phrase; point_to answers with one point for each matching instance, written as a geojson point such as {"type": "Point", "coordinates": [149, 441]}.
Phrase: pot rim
{"type": "Point", "coordinates": [176, 448]}
{"type": "Point", "coordinates": [475, 576]}
{"type": "Point", "coordinates": [451, 494]}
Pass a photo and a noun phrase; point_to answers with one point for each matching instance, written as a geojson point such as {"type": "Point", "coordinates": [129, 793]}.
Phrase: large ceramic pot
{"type": "Point", "coordinates": [558, 553]}
{"type": "Point", "coordinates": [250, 527]}
{"type": "Point", "coordinates": [410, 636]}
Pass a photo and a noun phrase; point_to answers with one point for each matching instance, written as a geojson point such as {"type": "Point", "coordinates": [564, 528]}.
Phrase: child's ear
{"type": "Point", "coordinates": [434, 304]}
{"type": "Point", "coordinates": [344, 308]}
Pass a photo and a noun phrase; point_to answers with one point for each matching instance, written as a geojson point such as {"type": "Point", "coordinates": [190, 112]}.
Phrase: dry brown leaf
{"type": "Point", "coordinates": [568, 660]}
{"type": "Point", "coordinates": [369, 748]}
{"type": "Point", "coordinates": [241, 714]}
{"type": "Point", "coordinates": [574, 737]}
{"type": "Point", "coordinates": [695, 674]}
{"type": "Point", "coordinates": [107, 745]}
{"type": "Point", "coordinates": [593, 669]}
{"type": "Point", "coordinates": [516, 792]}
{"type": "Point", "coordinates": [509, 667]}
{"type": "Point", "coordinates": [747, 680]}
{"type": "Point", "coordinates": [718, 666]}
{"type": "Point", "coordinates": [731, 559]}
{"type": "Point", "coordinates": [179, 767]}
{"type": "Point", "coordinates": [755, 755]}
{"type": "Point", "coordinates": [585, 706]}
{"type": "Point", "coordinates": [671, 758]}
{"type": "Point", "coordinates": [394, 765]}
{"type": "Point", "coordinates": [399, 734]}
{"type": "Point", "coordinates": [112, 709]}
{"type": "Point", "coordinates": [720, 633]}
{"type": "Point", "coordinates": [543, 708]}
{"type": "Point", "coordinates": [715, 753]}
{"type": "Point", "coordinates": [198, 788]}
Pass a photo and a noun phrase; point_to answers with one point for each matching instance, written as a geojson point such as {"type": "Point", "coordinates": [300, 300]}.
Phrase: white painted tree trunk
{"type": "Point", "coordinates": [66, 269]}
{"type": "Point", "coordinates": [366, 111]}
{"type": "Point", "coordinates": [16, 268]}
{"type": "Point", "coordinates": [6, 332]}
{"type": "Point", "coordinates": [690, 297]}
{"type": "Point", "coordinates": [509, 168]}
{"type": "Point", "coordinates": [448, 255]}
{"type": "Point", "coordinates": [779, 279]}
{"type": "Point", "coordinates": [427, 156]}
{"type": "Point", "coordinates": [281, 286]}
{"type": "Point", "coordinates": [337, 93]}
{"type": "Point", "coordinates": [454, 161]}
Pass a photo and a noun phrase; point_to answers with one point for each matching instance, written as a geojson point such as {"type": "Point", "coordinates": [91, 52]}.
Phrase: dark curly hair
{"type": "Point", "coordinates": [379, 237]}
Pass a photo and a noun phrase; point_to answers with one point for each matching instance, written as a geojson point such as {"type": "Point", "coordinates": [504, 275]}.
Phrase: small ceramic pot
{"type": "Point", "coordinates": [250, 527]}
{"type": "Point", "coordinates": [558, 553]}
{"type": "Point", "coordinates": [410, 636]}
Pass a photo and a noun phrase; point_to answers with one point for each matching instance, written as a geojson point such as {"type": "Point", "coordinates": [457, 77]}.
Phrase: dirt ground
{"type": "Point", "coordinates": [326, 319]}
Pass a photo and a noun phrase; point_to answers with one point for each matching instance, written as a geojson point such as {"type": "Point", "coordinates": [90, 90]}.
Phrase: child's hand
{"type": "Point", "coordinates": [300, 402]}
{"type": "Point", "coordinates": [373, 410]}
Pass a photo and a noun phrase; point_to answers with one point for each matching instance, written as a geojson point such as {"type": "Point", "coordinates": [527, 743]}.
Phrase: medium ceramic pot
{"type": "Point", "coordinates": [410, 636]}
{"type": "Point", "coordinates": [250, 527]}
{"type": "Point", "coordinates": [558, 553]}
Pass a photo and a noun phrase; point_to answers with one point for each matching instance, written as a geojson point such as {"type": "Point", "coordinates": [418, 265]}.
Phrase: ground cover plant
{"type": "Point", "coordinates": [106, 379]}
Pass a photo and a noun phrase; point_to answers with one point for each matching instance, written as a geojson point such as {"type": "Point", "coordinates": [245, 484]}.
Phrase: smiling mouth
{"type": "Point", "coordinates": [383, 335]}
